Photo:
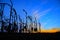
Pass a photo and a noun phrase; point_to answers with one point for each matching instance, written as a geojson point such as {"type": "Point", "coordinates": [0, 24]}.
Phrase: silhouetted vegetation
{"type": "Point", "coordinates": [12, 24]}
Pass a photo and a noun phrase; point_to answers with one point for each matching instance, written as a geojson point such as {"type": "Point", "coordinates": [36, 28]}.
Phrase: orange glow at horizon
{"type": "Point", "coordinates": [49, 31]}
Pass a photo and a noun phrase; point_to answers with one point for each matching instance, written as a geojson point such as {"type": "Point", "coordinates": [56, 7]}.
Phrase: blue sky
{"type": "Point", "coordinates": [46, 11]}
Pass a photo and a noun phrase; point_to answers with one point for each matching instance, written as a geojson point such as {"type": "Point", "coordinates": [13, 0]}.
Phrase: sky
{"type": "Point", "coordinates": [47, 12]}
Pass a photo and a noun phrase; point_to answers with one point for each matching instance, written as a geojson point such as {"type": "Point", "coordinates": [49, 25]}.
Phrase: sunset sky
{"type": "Point", "coordinates": [46, 11]}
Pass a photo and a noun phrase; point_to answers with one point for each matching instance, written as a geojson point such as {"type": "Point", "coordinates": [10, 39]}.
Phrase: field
{"type": "Point", "coordinates": [25, 36]}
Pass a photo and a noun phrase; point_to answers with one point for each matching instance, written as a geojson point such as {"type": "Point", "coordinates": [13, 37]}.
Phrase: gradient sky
{"type": "Point", "coordinates": [46, 11]}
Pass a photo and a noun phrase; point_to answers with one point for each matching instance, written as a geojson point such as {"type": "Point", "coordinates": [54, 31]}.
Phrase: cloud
{"type": "Point", "coordinates": [44, 12]}
{"type": "Point", "coordinates": [38, 14]}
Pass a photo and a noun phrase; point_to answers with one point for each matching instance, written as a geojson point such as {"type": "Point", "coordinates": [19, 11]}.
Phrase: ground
{"type": "Point", "coordinates": [25, 36]}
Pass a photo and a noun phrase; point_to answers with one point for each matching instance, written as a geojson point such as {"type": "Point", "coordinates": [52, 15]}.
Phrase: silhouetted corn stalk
{"type": "Point", "coordinates": [12, 21]}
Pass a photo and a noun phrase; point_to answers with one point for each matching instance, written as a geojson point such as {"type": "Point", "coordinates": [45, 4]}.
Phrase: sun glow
{"type": "Point", "coordinates": [49, 31]}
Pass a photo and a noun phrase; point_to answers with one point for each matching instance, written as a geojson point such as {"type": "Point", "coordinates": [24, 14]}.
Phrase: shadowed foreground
{"type": "Point", "coordinates": [41, 36]}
